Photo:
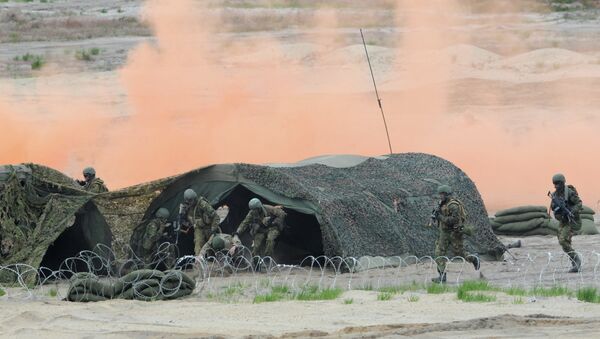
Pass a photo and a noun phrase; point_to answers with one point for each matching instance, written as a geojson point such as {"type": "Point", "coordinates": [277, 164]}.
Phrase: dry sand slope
{"type": "Point", "coordinates": [430, 316]}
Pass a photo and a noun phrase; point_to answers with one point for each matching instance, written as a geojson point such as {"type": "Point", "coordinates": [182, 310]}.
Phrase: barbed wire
{"type": "Point", "coordinates": [99, 272]}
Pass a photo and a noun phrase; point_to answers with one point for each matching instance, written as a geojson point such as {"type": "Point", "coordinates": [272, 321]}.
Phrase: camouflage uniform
{"type": "Point", "coordinates": [565, 229]}
{"type": "Point", "coordinates": [265, 224]}
{"type": "Point", "coordinates": [451, 222]}
{"type": "Point", "coordinates": [204, 218]}
{"type": "Point", "coordinates": [95, 185]}
{"type": "Point", "coordinates": [151, 239]}
{"type": "Point", "coordinates": [229, 242]}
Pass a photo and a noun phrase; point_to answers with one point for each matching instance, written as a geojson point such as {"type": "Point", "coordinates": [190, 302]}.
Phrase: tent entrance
{"type": "Point", "coordinates": [90, 229]}
{"type": "Point", "coordinates": [302, 237]}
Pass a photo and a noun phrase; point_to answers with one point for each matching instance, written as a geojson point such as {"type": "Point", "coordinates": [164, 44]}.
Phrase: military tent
{"type": "Point", "coordinates": [337, 205]}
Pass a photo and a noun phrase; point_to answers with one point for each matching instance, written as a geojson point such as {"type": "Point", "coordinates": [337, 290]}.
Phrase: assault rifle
{"type": "Point", "coordinates": [433, 219]}
{"type": "Point", "coordinates": [559, 207]}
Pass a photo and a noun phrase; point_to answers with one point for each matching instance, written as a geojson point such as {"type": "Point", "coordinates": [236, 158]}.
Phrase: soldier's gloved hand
{"type": "Point", "coordinates": [266, 221]}
{"type": "Point", "coordinates": [232, 250]}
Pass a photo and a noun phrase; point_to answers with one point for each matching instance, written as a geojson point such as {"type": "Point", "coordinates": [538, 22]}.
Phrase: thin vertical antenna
{"type": "Point", "coordinates": [376, 92]}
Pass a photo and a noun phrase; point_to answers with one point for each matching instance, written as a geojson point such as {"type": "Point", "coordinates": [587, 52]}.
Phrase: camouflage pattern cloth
{"type": "Point", "coordinates": [565, 230]}
{"type": "Point", "coordinates": [451, 222]}
{"type": "Point", "coordinates": [265, 225]}
{"type": "Point", "coordinates": [152, 238]}
{"type": "Point", "coordinates": [95, 185]}
{"type": "Point", "coordinates": [230, 241]}
{"type": "Point", "coordinates": [204, 219]}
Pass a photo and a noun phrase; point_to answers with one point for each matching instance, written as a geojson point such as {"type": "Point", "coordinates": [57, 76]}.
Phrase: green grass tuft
{"type": "Point", "coordinates": [413, 298]}
{"type": "Point", "coordinates": [518, 301]}
{"type": "Point", "coordinates": [384, 296]}
{"type": "Point", "coordinates": [313, 293]}
{"type": "Point", "coordinates": [348, 301]}
{"type": "Point", "coordinates": [2, 292]}
{"type": "Point", "coordinates": [270, 297]}
{"type": "Point", "coordinates": [588, 294]}
{"type": "Point", "coordinates": [464, 291]}
{"type": "Point", "coordinates": [554, 291]}
{"type": "Point", "coordinates": [438, 288]}
{"type": "Point", "coordinates": [515, 291]}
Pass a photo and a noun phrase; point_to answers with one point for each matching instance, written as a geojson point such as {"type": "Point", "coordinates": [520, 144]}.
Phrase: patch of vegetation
{"type": "Point", "coordinates": [402, 288]}
{"type": "Point", "coordinates": [367, 287]}
{"type": "Point", "coordinates": [413, 298]}
{"type": "Point", "coordinates": [348, 301]}
{"type": "Point", "coordinates": [465, 290]}
{"type": "Point", "coordinates": [515, 291]}
{"type": "Point", "coordinates": [87, 55]}
{"type": "Point", "coordinates": [438, 288]}
{"type": "Point", "coordinates": [555, 291]}
{"type": "Point", "coordinates": [588, 294]}
{"type": "Point", "coordinates": [384, 296]}
{"type": "Point", "coordinates": [269, 297]}
{"type": "Point", "coordinates": [37, 62]}
{"type": "Point", "coordinates": [2, 292]}
{"type": "Point", "coordinates": [313, 293]}
{"type": "Point", "coordinates": [518, 301]}
{"type": "Point", "coordinates": [52, 292]}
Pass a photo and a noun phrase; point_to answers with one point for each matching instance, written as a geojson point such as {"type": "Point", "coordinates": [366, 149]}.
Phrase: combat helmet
{"type": "Point", "coordinates": [444, 189]}
{"type": "Point", "coordinates": [89, 171]}
{"type": "Point", "coordinates": [558, 178]}
{"type": "Point", "coordinates": [254, 203]}
{"type": "Point", "coordinates": [217, 243]}
{"type": "Point", "coordinates": [162, 213]}
{"type": "Point", "coordinates": [189, 194]}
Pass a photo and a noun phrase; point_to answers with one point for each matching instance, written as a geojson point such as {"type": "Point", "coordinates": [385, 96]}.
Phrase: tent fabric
{"type": "Point", "coordinates": [351, 203]}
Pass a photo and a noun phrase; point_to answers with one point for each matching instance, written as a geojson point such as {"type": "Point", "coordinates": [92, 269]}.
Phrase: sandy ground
{"type": "Point", "coordinates": [413, 313]}
{"type": "Point", "coordinates": [553, 52]}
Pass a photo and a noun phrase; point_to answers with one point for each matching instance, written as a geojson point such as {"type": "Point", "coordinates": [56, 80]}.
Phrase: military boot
{"type": "Point", "coordinates": [576, 264]}
{"type": "Point", "coordinates": [440, 279]}
{"type": "Point", "coordinates": [476, 263]}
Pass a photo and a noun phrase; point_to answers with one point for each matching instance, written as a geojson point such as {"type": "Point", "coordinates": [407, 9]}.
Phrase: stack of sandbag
{"type": "Point", "coordinates": [146, 285]}
{"type": "Point", "coordinates": [522, 220]}
{"type": "Point", "coordinates": [535, 220]}
{"type": "Point", "coordinates": [587, 221]}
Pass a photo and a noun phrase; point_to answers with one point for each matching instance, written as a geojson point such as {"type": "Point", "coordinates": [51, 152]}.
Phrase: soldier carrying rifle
{"type": "Point", "coordinates": [566, 206]}
{"type": "Point", "coordinates": [450, 217]}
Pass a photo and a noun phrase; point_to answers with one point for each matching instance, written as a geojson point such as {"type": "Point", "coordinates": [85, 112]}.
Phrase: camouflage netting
{"type": "Point", "coordinates": [337, 205]}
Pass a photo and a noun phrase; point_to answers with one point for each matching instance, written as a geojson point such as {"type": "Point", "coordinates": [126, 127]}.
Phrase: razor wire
{"type": "Point", "coordinates": [221, 272]}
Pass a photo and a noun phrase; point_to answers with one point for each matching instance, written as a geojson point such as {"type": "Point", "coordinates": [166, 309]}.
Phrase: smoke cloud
{"type": "Point", "coordinates": [198, 96]}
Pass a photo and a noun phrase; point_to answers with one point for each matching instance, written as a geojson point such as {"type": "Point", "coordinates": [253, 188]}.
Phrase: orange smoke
{"type": "Point", "coordinates": [197, 96]}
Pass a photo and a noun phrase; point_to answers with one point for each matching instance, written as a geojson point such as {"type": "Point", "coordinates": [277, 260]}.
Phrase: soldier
{"type": "Point", "coordinates": [153, 233]}
{"type": "Point", "coordinates": [265, 223]}
{"type": "Point", "coordinates": [220, 242]}
{"type": "Point", "coordinates": [91, 183]}
{"type": "Point", "coordinates": [566, 206]}
{"type": "Point", "coordinates": [450, 216]}
{"type": "Point", "coordinates": [197, 212]}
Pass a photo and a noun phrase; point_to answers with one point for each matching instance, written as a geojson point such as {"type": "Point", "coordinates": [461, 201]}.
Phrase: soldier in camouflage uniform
{"type": "Point", "coordinates": [265, 223]}
{"type": "Point", "coordinates": [566, 227]}
{"type": "Point", "coordinates": [450, 216]}
{"type": "Point", "coordinates": [91, 183]}
{"type": "Point", "coordinates": [198, 212]}
{"type": "Point", "coordinates": [221, 242]}
{"type": "Point", "coordinates": [153, 233]}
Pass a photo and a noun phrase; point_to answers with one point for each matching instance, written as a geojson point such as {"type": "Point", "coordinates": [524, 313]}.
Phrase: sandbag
{"type": "Point", "coordinates": [520, 227]}
{"type": "Point", "coordinates": [587, 210]}
{"type": "Point", "coordinates": [588, 227]}
{"type": "Point", "coordinates": [521, 217]}
{"type": "Point", "coordinates": [587, 217]}
{"type": "Point", "coordinates": [551, 224]}
{"type": "Point", "coordinates": [521, 210]}
{"type": "Point", "coordinates": [494, 223]}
